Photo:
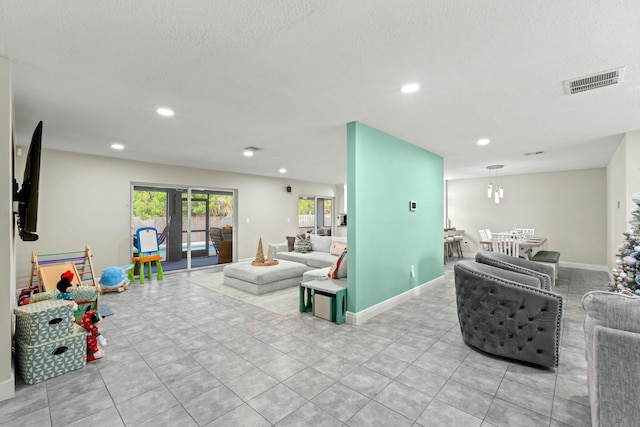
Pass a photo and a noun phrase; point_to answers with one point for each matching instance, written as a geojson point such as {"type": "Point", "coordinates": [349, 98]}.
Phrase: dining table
{"type": "Point", "coordinates": [526, 245]}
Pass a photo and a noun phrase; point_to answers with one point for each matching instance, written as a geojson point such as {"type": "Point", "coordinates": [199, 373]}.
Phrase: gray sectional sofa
{"type": "Point", "coordinates": [320, 255]}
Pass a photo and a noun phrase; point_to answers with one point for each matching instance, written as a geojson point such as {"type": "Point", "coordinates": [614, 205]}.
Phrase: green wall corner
{"type": "Point", "coordinates": [385, 238]}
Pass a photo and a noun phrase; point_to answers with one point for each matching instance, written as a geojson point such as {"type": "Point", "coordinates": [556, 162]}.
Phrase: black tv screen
{"type": "Point", "coordinates": [27, 197]}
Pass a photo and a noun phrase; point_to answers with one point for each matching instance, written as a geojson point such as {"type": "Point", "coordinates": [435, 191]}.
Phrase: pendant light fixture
{"type": "Point", "coordinates": [497, 191]}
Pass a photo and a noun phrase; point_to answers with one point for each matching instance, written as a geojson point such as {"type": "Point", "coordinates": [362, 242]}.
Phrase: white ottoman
{"type": "Point", "coordinates": [261, 280]}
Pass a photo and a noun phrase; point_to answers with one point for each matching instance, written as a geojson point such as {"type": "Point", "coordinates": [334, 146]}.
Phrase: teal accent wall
{"type": "Point", "coordinates": [385, 238]}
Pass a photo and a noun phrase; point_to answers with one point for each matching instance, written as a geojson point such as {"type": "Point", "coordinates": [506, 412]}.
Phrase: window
{"type": "Point", "coordinates": [315, 215]}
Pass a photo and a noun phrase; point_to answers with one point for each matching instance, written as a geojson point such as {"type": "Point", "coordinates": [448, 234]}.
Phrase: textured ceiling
{"type": "Point", "coordinates": [286, 76]}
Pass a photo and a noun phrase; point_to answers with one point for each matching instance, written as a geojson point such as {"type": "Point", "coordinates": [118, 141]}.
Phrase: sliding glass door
{"type": "Point", "coordinates": [195, 225]}
{"type": "Point", "coordinates": [315, 215]}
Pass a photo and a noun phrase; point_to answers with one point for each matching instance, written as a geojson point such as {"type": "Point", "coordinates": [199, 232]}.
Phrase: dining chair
{"type": "Point", "coordinates": [488, 231]}
{"type": "Point", "coordinates": [484, 238]}
{"type": "Point", "coordinates": [526, 233]}
{"type": "Point", "coordinates": [506, 243]}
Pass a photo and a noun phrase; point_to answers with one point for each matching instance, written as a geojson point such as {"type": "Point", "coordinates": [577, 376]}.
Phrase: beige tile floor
{"type": "Point", "coordinates": [190, 351]}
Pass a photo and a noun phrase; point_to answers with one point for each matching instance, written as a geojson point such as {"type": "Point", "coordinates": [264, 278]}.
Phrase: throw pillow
{"type": "Point", "coordinates": [337, 249]}
{"type": "Point", "coordinates": [302, 244]}
{"type": "Point", "coordinates": [290, 242]}
{"type": "Point", "coordinates": [320, 243]}
{"type": "Point", "coordinates": [339, 269]}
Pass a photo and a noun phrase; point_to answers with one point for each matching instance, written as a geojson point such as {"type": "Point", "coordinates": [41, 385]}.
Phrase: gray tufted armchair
{"type": "Point", "coordinates": [508, 313]}
{"type": "Point", "coordinates": [544, 272]}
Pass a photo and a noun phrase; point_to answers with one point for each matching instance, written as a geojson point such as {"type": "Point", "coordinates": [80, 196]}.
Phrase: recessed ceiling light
{"type": "Point", "coordinates": [250, 151]}
{"type": "Point", "coordinates": [483, 141]}
{"type": "Point", "coordinates": [165, 112]}
{"type": "Point", "coordinates": [117, 146]}
{"type": "Point", "coordinates": [282, 170]}
{"type": "Point", "coordinates": [410, 88]}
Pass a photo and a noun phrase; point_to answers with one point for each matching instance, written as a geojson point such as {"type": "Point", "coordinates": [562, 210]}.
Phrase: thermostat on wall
{"type": "Point", "coordinates": [413, 205]}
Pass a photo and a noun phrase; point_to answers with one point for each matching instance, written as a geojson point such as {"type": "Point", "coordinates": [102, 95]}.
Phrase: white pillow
{"type": "Point", "coordinates": [320, 243]}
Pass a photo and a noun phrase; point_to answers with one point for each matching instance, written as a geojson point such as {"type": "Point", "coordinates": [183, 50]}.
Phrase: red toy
{"type": "Point", "coordinates": [95, 340]}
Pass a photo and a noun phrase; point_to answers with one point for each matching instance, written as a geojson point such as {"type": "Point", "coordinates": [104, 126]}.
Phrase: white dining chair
{"type": "Point", "coordinates": [506, 243]}
{"type": "Point", "coordinates": [484, 238]}
{"type": "Point", "coordinates": [526, 233]}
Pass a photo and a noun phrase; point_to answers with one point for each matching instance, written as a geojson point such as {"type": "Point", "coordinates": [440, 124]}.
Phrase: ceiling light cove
{"type": "Point", "coordinates": [410, 88]}
{"type": "Point", "coordinates": [117, 146]}
{"type": "Point", "coordinates": [166, 112]}
{"type": "Point", "coordinates": [282, 170]}
{"type": "Point", "coordinates": [483, 141]}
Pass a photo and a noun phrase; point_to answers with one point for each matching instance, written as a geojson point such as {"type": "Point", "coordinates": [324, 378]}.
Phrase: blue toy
{"type": "Point", "coordinates": [115, 277]}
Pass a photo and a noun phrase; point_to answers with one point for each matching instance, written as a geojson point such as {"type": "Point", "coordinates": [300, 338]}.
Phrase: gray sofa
{"type": "Point", "coordinates": [612, 345]}
{"type": "Point", "coordinates": [508, 313]}
{"type": "Point", "coordinates": [319, 257]}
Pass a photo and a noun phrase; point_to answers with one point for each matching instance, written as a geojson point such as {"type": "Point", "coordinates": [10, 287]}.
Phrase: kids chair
{"type": "Point", "coordinates": [148, 252]}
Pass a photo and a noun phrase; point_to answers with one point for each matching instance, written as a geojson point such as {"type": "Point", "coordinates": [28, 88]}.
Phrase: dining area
{"type": "Point", "coordinates": [520, 243]}
{"type": "Point", "coordinates": [516, 242]}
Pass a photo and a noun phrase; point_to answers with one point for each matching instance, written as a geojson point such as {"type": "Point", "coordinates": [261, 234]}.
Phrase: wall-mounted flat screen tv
{"type": "Point", "coordinates": [27, 197]}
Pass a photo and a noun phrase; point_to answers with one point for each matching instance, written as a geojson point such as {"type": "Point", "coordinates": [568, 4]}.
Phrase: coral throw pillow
{"type": "Point", "coordinates": [290, 242]}
{"type": "Point", "coordinates": [339, 269]}
{"type": "Point", "coordinates": [338, 248]}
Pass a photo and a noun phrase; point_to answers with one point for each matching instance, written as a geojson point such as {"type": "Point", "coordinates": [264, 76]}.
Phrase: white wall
{"type": "Point", "coordinates": [623, 179]}
{"type": "Point", "coordinates": [569, 208]}
{"type": "Point", "coordinates": [85, 201]}
{"type": "Point", "coordinates": [7, 243]}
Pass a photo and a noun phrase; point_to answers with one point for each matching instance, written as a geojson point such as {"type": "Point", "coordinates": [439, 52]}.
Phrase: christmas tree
{"type": "Point", "coordinates": [626, 276]}
{"type": "Point", "coordinates": [260, 260]}
{"type": "Point", "coordinates": [259, 253]}
{"type": "Point", "coordinates": [270, 259]}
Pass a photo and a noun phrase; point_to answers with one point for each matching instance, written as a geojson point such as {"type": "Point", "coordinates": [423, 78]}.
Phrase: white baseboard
{"type": "Point", "coordinates": [593, 267]}
{"type": "Point", "coordinates": [7, 389]}
{"type": "Point", "coordinates": [366, 314]}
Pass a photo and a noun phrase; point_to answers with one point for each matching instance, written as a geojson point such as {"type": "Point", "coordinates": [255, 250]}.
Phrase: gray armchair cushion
{"type": "Point", "coordinates": [506, 313]}
{"type": "Point", "coordinates": [613, 310]}
{"type": "Point", "coordinates": [612, 342]}
{"type": "Point", "coordinates": [543, 272]}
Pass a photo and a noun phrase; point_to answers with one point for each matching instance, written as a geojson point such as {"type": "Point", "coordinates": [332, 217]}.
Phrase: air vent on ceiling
{"type": "Point", "coordinates": [594, 81]}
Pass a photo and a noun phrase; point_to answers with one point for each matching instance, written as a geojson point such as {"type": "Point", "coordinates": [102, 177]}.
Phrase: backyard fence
{"type": "Point", "coordinates": [309, 220]}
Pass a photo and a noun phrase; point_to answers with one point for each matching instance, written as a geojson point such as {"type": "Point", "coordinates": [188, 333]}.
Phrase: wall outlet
{"type": "Point", "coordinates": [413, 272]}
